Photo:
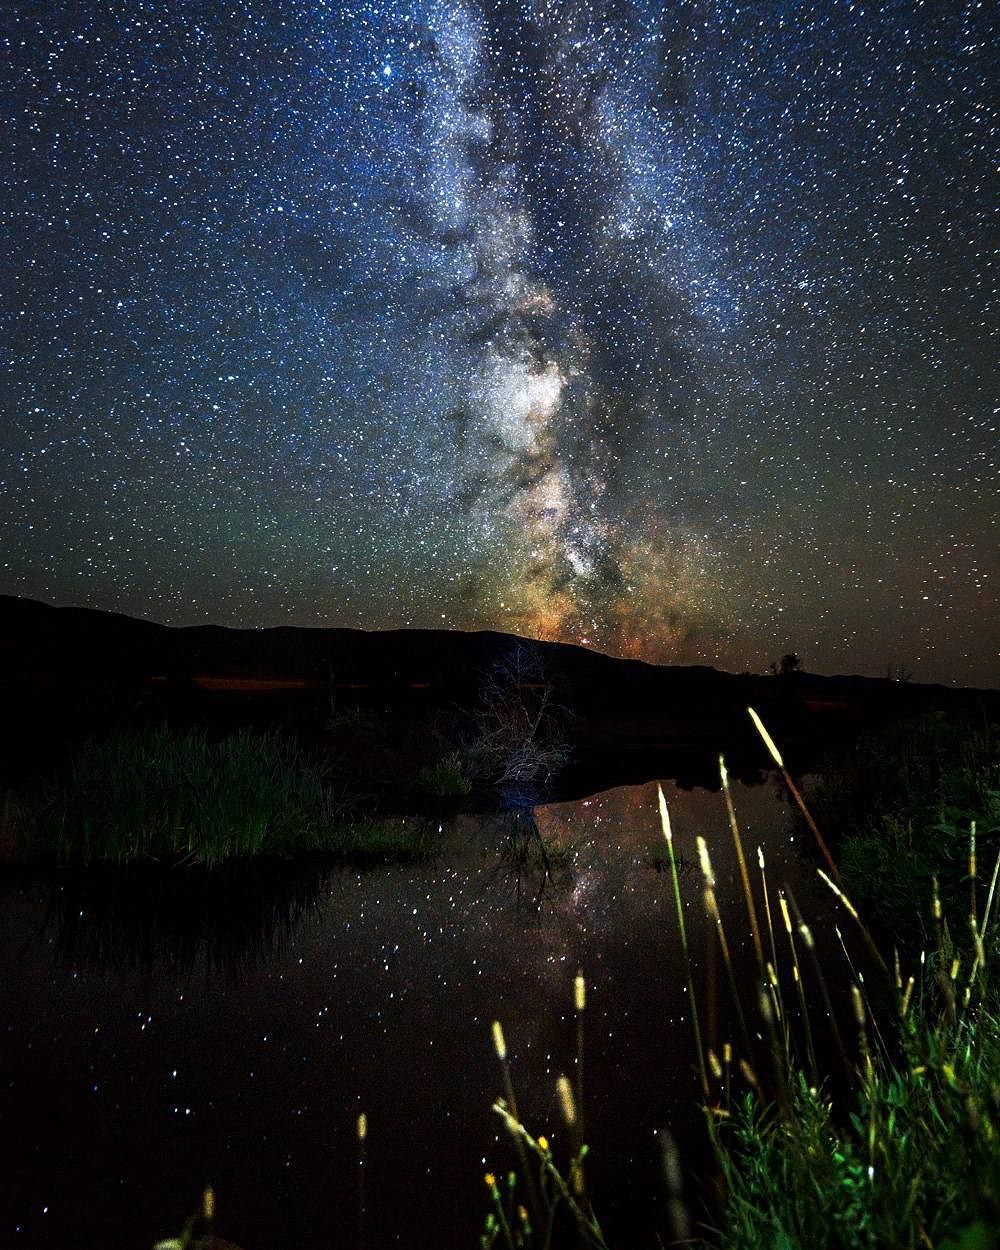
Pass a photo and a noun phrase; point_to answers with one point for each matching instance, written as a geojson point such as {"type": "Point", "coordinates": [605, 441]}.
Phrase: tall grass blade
{"type": "Point", "coordinates": [500, 1049]}
{"type": "Point", "coordinates": [794, 791]}
{"type": "Point", "coordinates": [831, 1015]}
{"type": "Point", "coordinates": [852, 911]}
{"type": "Point", "coordinates": [712, 909]}
{"type": "Point", "coordinates": [800, 989]}
{"type": "Point", "coordinates": [742, 862]}
{"type": "Point", "coordinates": [685, 954]}
{"type": "Point", "coordinates": [362, 1141]}
{"type": "Point", "coordinates": [580, 1008]}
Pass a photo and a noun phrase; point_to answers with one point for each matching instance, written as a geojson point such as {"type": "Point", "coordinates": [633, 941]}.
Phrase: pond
{"type": "Point", "coordinates": [164, 1031]}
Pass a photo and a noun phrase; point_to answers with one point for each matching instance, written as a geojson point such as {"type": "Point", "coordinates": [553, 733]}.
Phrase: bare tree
{"type": "Point", "coordinates": [520, 731]}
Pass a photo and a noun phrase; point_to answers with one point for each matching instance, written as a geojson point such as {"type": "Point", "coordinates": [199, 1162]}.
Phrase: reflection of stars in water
{"type": "Point", "coordinates": [582, 885]}
{"type": "Point", "coordinates": [382, 1002]}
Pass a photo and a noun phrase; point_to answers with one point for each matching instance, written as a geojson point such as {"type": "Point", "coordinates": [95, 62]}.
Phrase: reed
{"type": "Point", "coordinates": [906, 1154]}
{"type": "Point", "coordinates": [500, 1050]}
{"type": "Point", "coordinates": [579, 1011]}
{"type": "Point", "coordinates": [799, 989]}
{"type": "Point", "coordinates": [909, 1156]}
{"type": "Point", "coordinates": [742, 861]}
{"type": "Point", "coordinates": [794, 792]}
{"type": "Point", "coordinates": [678, 1216]}
{"type": "Point", "coordinates": [771, 965]}
{"type": "Point", "coordinates": [159, 794]}
{"type": "Point", "coordinates": [668, 837]}
{"type": "Point", "coordinates": [362, 1144]}
{"type": "Point", "coordinates": [830, 1014]}
{"type": "Point", "coordinates": [712, 910]}
{"type": "Point", "coordinates": [197, 1233]}
{"type": "Point", "coordinates": [852, 911]}
{"type": "Point", "coordinates": [556, 1191]}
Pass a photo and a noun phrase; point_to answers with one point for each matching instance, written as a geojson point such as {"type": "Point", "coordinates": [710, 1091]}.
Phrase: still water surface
{"type": "Point", "coordinates": [159, 1035]}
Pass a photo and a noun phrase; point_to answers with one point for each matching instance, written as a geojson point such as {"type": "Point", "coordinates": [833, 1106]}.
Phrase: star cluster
{"type": "Point", "coordinates": [670, 329]}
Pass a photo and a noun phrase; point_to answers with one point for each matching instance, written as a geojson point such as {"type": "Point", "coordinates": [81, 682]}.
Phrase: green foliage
{"type": "Point", "coordinates": [391, 837]}
{"type": "Point", "coordinates": [159, 794]}
{"type": "Point", "coordinates": [915, 1160]}
{"type": "Point", "coordinates": [446, 778]}
{"type": "Point", "coordinates": [909, 1156]}
{"type": "Point", "coordinates": [900, 805]}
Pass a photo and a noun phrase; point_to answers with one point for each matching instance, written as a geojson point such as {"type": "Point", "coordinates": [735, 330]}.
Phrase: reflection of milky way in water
{"type": "Point", "coordinates": [381, 1001]}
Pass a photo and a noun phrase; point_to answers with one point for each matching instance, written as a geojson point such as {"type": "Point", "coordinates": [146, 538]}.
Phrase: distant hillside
{"type": "Point", "coordinates": [44, 643]}
{"type": "Point", "coordinates": [386, 703]}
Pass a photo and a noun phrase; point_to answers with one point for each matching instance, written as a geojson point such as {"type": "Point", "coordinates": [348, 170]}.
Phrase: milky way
{"type": "Point", "coordinates": [667, 328]}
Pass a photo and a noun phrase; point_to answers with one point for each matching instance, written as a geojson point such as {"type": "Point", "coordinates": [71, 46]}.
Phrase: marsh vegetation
{"type": "Point", "coordinates": [188, 797]}
{"type": "Point", "coordinates": [845, 1127]}
{"type": "Point", "coordinates": [843, 1058]}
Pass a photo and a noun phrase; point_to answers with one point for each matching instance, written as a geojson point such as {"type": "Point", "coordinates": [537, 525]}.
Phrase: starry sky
{"type": "Point", "coordinates": [669, 328]}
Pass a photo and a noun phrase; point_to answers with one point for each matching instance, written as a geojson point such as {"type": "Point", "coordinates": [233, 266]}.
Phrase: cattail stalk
{"type": "Point", "coordinates": [853, 913]}
{"type": "Point", "coordinates": [580, 1005]}
{"type": "Point", "coordinates": [362, 1141]}
{"type": "Point", "coordinates": [860, 979]}
{"type": "Point", "coordinates": [979, 934]}
{"type": "Point", "coordinates": [570, 1114]}
{"type": "Point", "coordinates": [500, 1047]}
{"type": "Point", "coordinates": [677, 1212]}
{"type": "Point", "coordinates": [831, 1015]}
{"type": "Point", "coordinates": [586, 1222]}
{"type": "Point", "coordinates": [772, 981]}
{"type": "Point", "coordinates": [904, 1006]}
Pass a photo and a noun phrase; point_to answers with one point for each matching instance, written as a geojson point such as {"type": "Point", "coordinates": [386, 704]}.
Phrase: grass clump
{"type": "Point", "coordinates": [166, 795]}
{"type": "Point", "coordinates": [901, 804]}
{"type": "Point", "coordinates": [555, 1207]}
{"type": "Point", "coordinates": [446, 778]}
{"type": "Point", "coordinates": [914, 1162]}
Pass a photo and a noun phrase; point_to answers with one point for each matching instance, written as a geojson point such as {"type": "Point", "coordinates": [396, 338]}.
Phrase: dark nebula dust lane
{"type": "Point", "coordinates": [667, 328]}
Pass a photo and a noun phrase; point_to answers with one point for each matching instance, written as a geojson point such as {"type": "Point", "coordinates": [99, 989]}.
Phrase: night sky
{"type": "Point", "coordinates": [665, 327]}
